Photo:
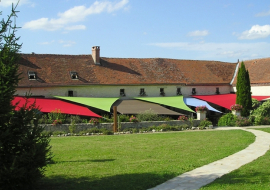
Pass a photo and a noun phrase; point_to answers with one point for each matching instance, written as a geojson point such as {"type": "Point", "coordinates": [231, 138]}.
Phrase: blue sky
{"type": "Point", "coordinates": [222, 30]}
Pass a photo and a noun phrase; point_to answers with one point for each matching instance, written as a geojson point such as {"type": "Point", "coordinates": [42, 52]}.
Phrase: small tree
{"type": "Point", "coordinates": [24, 152]}
{"type": "Point", "coordinates": [243, 90]}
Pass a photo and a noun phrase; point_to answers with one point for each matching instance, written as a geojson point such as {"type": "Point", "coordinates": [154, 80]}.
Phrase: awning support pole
{"type": "Point", "coordinates": [115, 119]}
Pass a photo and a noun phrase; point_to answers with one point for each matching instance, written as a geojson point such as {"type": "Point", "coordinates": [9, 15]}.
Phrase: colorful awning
{"type": "Point", "coordinates": [47, 105]}
{"type": "Point", "coordinates": [100, 103]}
{"type": "Point", "coordinates": [196, 102]}
{"type": "Point", "coordinates": [224, 100]}
{"type": "Point", "coordinates": [137, 106]}
{"type": "Point", "coordinates": [173, 101]}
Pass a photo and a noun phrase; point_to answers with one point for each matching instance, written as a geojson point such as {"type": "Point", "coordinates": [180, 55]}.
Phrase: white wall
{"type": "Point", "coordinates": [114, 91]}
{"type": "Point", "coordinates": [258, 90]}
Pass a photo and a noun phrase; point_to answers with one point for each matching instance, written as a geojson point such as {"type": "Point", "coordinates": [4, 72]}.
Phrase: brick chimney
{"type": "Point", "coordinates": [96, 54]}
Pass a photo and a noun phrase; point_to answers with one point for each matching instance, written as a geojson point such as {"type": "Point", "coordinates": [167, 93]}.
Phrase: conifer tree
{"type": "Point", "coordinates": [243, 90]}
{"type": "Point", "coordinates": [24, 152]}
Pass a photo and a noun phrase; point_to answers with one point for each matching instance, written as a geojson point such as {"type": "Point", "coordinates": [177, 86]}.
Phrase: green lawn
{"type": "Point", "coordinates": [137, 161]}
{"type": "Point", "coordinates": [252, 176]}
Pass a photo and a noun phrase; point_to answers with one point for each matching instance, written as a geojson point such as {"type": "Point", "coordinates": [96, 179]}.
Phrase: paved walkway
{"type": "Point", "coordinates": [199, 177]}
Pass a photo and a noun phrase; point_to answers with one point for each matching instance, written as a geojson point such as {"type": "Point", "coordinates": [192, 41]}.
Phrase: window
{"type": "Point", "coordinates": [142, 92]}
{"type": "Point", "coordinates": [73, 75]}
{"type": "Point", "coordinates": [178, 91]}
{"type": "Point", "coordinates": [217, 91]}
{"type": "Point", "coordinates": [70, 93]}
{"type": "Point", "coordinates": [162, 92]}
{"type": "Point", "coordinates": [32, 75]}
{"type": "Point", "coordinates": [193, 91]}
{"type": "Point", "coordinates": [122, 92]}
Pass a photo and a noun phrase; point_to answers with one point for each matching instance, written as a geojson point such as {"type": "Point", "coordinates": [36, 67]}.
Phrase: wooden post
{"type": "Point", "coordinates": [115, 118]}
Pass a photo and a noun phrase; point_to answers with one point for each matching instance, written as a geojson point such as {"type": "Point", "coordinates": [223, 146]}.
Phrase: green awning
{"type": "Point", "coordinates": [100, 103]}
{"type": "Point", "coordinates": [173, 101]}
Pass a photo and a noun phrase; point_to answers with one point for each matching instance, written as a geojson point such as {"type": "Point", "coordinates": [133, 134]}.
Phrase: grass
{"type": "Point", "coordinates": [138, 161]}
{"type": "Point", "coordinates": [252, 176]}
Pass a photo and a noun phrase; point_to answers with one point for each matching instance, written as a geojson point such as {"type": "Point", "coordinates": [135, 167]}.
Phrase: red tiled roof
{"type": "Point", "coordinates": [259, 71]}
{"type": "Point", "coordinates": [53, 70]}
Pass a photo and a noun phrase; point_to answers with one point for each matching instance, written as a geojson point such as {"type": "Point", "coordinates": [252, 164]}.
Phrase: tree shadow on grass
{"type": "Point", "coordinates": [86, 160]}
{"type": "Point", "coordinates": [119, 182]}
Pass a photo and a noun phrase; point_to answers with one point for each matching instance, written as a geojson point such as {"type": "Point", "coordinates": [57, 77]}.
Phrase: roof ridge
{"type": "Point", "coordinates": [257, 59]}
{"type": "Point", "coordinates": [167, 59]}
{"type": "Point", "coordinates": [49, 54]}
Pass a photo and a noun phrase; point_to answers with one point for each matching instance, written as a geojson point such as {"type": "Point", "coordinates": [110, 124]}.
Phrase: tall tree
{"type": "Point", "coordinates": [24, 152]}
{"type": "Point", "coordinates": [243, 90]}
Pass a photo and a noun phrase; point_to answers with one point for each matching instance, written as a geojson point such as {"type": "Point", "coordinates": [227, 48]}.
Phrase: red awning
{"type": "Point", "coordinates": [47, 105]}
{"type": "Point", "coordinates": [224, 100]}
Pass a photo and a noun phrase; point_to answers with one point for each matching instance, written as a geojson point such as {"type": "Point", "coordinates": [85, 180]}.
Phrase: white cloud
{"type": "Point", "coordinates": [8, 3]}
{"type": "Point", "coordinates": [256, 32]}
{"type": "Point", "coordinates": [75, 14]}
{"type": "Point", "coordinates": [221, 50]}
{"type": "Point", "coordinates": [198, 33]}
{"type": "Point", "coordinates": [47, 43]}
{"type": "Point", "coordinates": [261, 14]}
{"type": "Point", "coordinates": [67, 43]}
{"type": "Point", "coordinates": [76, 27]}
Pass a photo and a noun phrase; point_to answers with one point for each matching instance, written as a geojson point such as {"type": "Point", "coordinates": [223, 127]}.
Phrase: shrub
{"type": "Point", "coordinates": [72, 128]}
{"type": "Point", "coordinates": [184, 126]}
{"type": "Point", "coordinates": [242, 121]}
{"type": "Point", "coordinates": [43, 119]}
{"type": "Point", "coordinates": [46, 133]}
{"type": "Point", "coordinates": [133, 119]}
{"type": "Point", "coordinates": [57, 122]}
{"type": "Point", "coordinates": [73, 118]}
{"type": "Point", "coordinates": [106, 131]}
{"type": "Point", "coordinates": [262, 120]}
{"type": "Point", "coordinates": [56, 115]}
{"type": "Point", "coordinates": [255, 103]}
{"type": "Point", "coordinates": [205, 123]}
{"type": "Point", "coordinates": [263, 110]}
{"type": "Point", "coordinates": [167, 119]}
{"type": "Point", "coordinates": [105, 119]}
{"type": "Point", "coordinates": [123, 118]}
{"type": "Point", "coordinates": [183, 118]}
{"type": "Point", "coordinates": [58, 132]}
{"type": "Point", "coordinates": [94, 121]}
{"type": "Point", "coordinates": [227, 120]}
{"type": "Point", "coordinates": [149, 115]}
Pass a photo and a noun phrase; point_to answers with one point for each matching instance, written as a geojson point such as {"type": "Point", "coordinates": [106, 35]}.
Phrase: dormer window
{"type": "Point", "coordinates": [122, 92]}
{"type": "Point", "coordinates": [32, 75]}
{"type": "Point", "coordinates": [142, 92]}
{"type": "Point", "coordinates": [178, 91]}
{"type": "Point", "coordinates": [193, 91]}
{"type": "Point", "coordinates": [162, 92]}
{"type": "Point", "coordinates": [73, 75]}
{"type": "Point", "coordinates": [217, 91]}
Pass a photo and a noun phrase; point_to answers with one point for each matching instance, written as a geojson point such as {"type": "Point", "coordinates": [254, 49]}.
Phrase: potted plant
{"type": "Point", "coordinates": [201, 112]}
{"type": "Point", "coordinates": [236, 109]}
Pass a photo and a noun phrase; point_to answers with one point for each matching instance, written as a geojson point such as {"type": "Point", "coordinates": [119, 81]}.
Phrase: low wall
{"type": "Point", "coordinates": [123, 125]}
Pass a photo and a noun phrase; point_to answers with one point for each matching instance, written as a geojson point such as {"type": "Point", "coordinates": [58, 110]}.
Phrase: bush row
{"type": "Point", "coordinates": [204, 124]}
{"type": "Point", "coordinates": [260, 115]}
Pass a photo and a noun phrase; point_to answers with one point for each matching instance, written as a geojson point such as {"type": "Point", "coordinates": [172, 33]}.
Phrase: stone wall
{"type": "Point", "coordinates": [123, 125]}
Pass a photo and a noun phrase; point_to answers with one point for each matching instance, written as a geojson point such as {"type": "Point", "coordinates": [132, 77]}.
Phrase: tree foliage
{"type": "Point", "coordinates": [24, 152]}
{"type": "Point", "coordinates": [243, 90]}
